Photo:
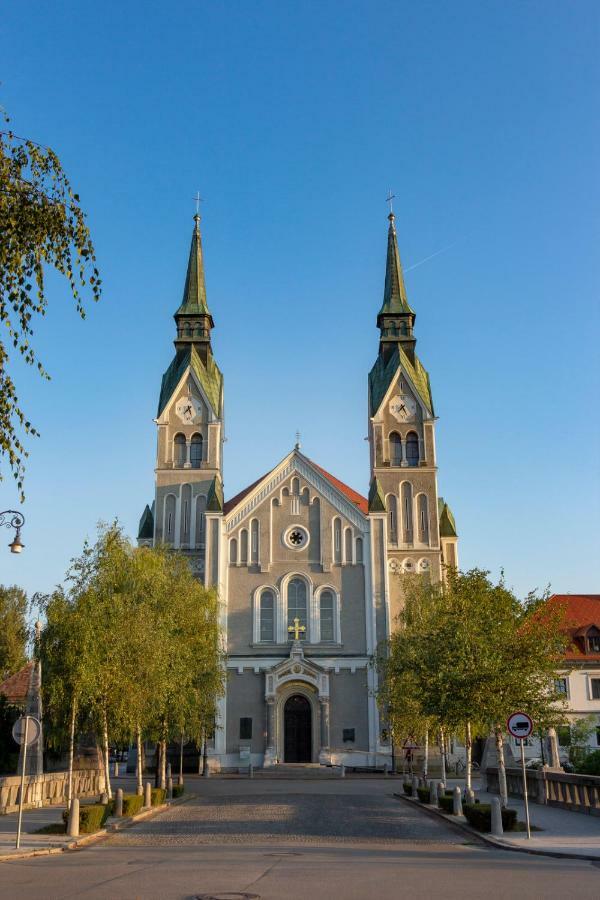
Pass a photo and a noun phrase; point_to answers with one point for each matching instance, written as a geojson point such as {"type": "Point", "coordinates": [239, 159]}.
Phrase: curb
{"type": "Point", "coordinates": [100, 835]}
{"type": "Point", "coordinates": [489, 839]}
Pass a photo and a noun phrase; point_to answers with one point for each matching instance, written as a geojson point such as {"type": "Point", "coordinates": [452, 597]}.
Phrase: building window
{"type": "Point", "coordinates": [348, 735]}
{"type": "Point", "coordinates": [359, 550]}
{"type": "Point", "coordinates": [337, 541]}
{"type": "Point", "coordinates": [593, 644]}
{"type": "Point", "coordinates": [244, 547]}
{"type": "Point", "coordinates": [296, 605]}
{"type": "Point", "coordinates": [326, 612]}
{"type": "Point", "coordinates": [395, 449]}
{"type": "Point", "coordinates": [348, 546]}
{"type": "Point", "coordinates": [392, 505]}
{"type": "Point", "coordinates": [200, 519]}
{"type": "Point", "coordinates": [232, 551]}
{"type": "Point", "coordinates": [423, 514]}
{"type": "Point", "coordinates": [254, 541]}
{"type": "Point", "coordinates": [179, 448]}
{"type": "Point", "coordinates": [412, 449]}
{"type": "Point", "coordinates": [170, 506]}
{"type": "Point", "coordinates": [186, 509]}
{"type": "Point", "coordinates": [267, 616]}
{"type": "Point", "coordinates": [560, 685]}
{"type": "Point", "coordinates": [598, 735]}
{"type": "Point", "coordinates": [595, 688]}
{"type": "Point", "coordinates": [245, 728]}
{"type": "Point", "coordinates": [196, 451]}
{"type": "Point", "coordinates": [407, 512]}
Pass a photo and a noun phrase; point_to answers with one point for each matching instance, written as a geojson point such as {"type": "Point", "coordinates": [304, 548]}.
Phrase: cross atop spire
{"type": "Point", "coordinates": [193, 317]}
{"type": "Point", "coordinates": [395, 318]}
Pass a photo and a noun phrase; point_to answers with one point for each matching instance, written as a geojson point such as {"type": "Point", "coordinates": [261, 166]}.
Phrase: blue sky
{"type": "Point", "coordinates": [293, 120]}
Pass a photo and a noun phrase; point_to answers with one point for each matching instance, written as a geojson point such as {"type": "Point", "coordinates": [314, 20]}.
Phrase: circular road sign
{"type": "Point", "coordinates": [519, 725]}
{"type": "Point", "coordinates": [33, 730]}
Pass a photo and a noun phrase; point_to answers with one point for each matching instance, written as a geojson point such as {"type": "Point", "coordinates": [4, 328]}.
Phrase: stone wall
{"type": "Point", "coordinates": [579, 793]}
{"type": "Point", "coordinates": [45, 790]}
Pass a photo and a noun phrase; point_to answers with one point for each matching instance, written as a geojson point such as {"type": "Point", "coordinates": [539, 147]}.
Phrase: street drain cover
{"type": "Point", "coordinates": [228, 895]}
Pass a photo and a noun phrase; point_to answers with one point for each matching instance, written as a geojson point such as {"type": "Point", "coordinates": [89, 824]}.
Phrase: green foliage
{"type": "Point", "coordinates": [132, 804]}
{"type": "Point", "coordinates": [9, 752]}
{"type": "Point", "coordinates": [581, 731]}
{"type": "Point", "coordinates": [446, 802]}
{"type": "Point", "coordinates": [407, 788]}
{"type": "Point", "coordinates": [590, 764]}
{"type": "Point", "coordinates": [92, 817]}
{"type": "Point", "coordinates": [158, 796]}
{"type": "Point", "coordinates": [178, 790]}
{"type": "Point", "coordinates": [423, 794]}
{"type": "Point", "coordinates": [479, 816]}
{"type": "Point", "coordinates": [13, 630]}
{"type": "Point", "coordinates": [42, 225]}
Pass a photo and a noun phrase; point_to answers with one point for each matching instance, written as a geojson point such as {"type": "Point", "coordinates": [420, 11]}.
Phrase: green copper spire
{"type": "Point", "coordinates": [193, 318]}
{"type": "Point", "coordinates": [395, 301]}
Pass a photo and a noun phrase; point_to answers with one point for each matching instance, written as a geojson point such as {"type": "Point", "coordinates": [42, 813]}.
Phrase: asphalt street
{"type": "Point", "coordinates": [292, 840]}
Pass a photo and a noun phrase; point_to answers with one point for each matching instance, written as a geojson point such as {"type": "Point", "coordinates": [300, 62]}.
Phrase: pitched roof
{"type": "Point", "coordinates": [446, 519]}
{"type": "Point", "coordinates": [146, 527]}
{"type": "Point", "coordinates": [357, 499]}
{"type": "Point", "coordinates": [382, 375]}
{"type": "Point", "coordinates": [581, 612]}
{"type": "Point", "coordinates": [16, 687]}
{"type": "Point", "coordinates": [209, 376]}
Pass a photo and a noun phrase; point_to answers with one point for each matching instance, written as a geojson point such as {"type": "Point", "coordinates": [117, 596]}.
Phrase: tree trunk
{"type": "Point", "coordinates": [106, 755]}
{"type": "Point", "coordinates": [71, 753]}
{"type": "Point", "coordinates": [469, 753]}
{"type": "Point", "coordinates": [205, 754]}
{"type": "Point", "coordinates": [139, 768]}
{"type": "Point", "coordinates": [163, 765]}
{"type": "Point", "coordinates": [443, 754]}
{"type": "Point", "coordinates": [426, 757]}
{"type": "Point", "coordinates": [501, 766]}
{"type": "Point", "coordinates": [181, 760]}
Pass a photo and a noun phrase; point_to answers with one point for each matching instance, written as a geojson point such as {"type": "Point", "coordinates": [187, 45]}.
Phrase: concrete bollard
{"type": "Point", "coordinates": [469, 796]}
{"type": "Point", "coordinates": [73, 826]}
{"type": "Point", "coordinates": [170, 787]}
{"type": "Point", "coordinates": [168, 770]}
{"type": "Point", "coordinates": [119, 803]}
{"type": "Point", "coordinates": [456, 802]}
{"type": "Point", "coordinates": [147, 795]}
{"type": "Point", "coordinates": [433, 793]}
{"type": "Point", "coordinates": [116, 769]}
{"type": "Point", "coordinates": [250, 771]}
{"type": "Point", "coordinates": [342, 771]}
{"type": "Point", "coordinates": [441, 790]}
{"type": "Point", "coordinates": [497, 828]}
{"type": "Point", "coordinates": [104, 798]}
{"type": "Point", "coordinates": [386, 770]}
{"type": "Point", "coordinates": [180, 780]}
{"type": "Point", "coordinates": [415, 785]}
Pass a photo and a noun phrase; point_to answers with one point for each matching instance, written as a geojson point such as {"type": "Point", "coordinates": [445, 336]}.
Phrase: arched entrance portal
{"type": "Point", "coordinates": [297, 727]}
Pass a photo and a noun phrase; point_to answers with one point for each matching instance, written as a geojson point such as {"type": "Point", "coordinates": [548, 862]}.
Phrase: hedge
{"type": "Point", "coordinates": [423, 794]}
{"type": "Point", "coordinates": [479, 815]}
{"type": "Point", "coordinates": [132, 803]}
{"type": "Point", "coordinates": [92, 817]}
{"type": "Point", "coordinates": [178, 790]}
{"type": "Point", "coordinates": [590, 765]}
{"type": "Point", "coordinates": [446, 803]}
{"type": "Point", "coordinates": [158, 796]}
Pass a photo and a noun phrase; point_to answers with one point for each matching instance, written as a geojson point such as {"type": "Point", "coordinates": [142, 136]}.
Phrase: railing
{"type": "Point", "coordinates": [44, 790]}
{"type": "Point", "coordinates": [579, 793]}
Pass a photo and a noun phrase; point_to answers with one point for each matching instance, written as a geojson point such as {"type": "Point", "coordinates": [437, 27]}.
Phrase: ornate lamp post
{"type": "Point", "coordinates": [10, 518]}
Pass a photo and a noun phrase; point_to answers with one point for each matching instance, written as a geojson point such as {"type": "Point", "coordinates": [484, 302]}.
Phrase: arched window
{"type": "Point", "coordinates": [267, 616]}
{"type": "Point", "coordinates": [200, 519]}
{"type": "Point", "coordinates": [392, 508]}
{"type": "Point", "coordinates": [296, 604]}
{"type": "Point", "coordinates": [395, 449]}
{"type": "Point", "coordinates": [196, 451]}
{"type": "Point", "coordinates": [232, 551]}
{"type": "Point", "coordinates": [295, 496]}
{"type": "Point", "coordinates": [348, 546]}
{"type": "Point", "coordinates": [244, 547]}
{"type": "Point", "coordinates": [254, 542]}
{"type": "Point", "coordinates": [407, 512]}
{"type": "Point", "coordinates": [423, 518]}
{"type": "Point", "coordinates": [412, 448]}
{"type": "Point", "coordinates": [337, 541]}
{"type": "Point", "coordinates": [326, 614]}
{"type": "Point", "coordinates": [186, 513]}
{"type": "Point", "coordinates": [179, 450]}
{"type": "Point", "coordinates": [170, 506]}
{"type": "Point", "coordinates": [359, 550]}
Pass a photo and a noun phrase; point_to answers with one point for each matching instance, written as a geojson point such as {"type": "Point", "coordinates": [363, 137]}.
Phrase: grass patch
{"type": "Point", "coordinates": [53, 828]}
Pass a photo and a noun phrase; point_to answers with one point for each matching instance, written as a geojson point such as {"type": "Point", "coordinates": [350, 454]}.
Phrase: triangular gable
{"type": "Point", "coordinates": [208, 378]}
{"type": "Point", "coordinates": [382, 377]}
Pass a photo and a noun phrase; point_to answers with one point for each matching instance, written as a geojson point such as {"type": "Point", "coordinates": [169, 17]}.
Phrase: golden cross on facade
{"type": "Point", "coordinates": [296, 629]}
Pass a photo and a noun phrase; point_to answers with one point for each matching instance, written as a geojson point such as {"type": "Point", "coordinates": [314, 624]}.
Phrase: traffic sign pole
{"type": "Point", "coordinates": [22, 783]}
{"type": "Point", "coordinates": [525, 798]}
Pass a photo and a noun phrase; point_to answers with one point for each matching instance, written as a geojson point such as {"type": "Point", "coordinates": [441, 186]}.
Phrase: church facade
{"type": "Point", "coordinates": [307, 569]}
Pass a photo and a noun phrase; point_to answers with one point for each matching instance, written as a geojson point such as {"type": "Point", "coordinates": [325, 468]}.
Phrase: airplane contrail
{"type": "Point", "coordinates": [431, 255]}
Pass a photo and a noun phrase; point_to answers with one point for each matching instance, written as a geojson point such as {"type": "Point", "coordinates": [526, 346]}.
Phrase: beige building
{"type": "Point", "coordinates": [303, 564]}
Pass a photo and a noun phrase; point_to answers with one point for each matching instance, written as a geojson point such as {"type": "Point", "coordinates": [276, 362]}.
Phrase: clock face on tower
{"type": "Point", "coordinates": [186, 409]}
{"type": "Point", "coordinates": [403, 407]}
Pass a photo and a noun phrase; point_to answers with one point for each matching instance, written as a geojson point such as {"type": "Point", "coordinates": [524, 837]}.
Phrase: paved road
{"type": "Point", "coordinates": [293, 840]}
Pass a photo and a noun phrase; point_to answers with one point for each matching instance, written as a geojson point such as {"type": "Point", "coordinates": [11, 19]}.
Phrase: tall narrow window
{"type": "Point", "coordinates": [412, 448]}
{"type": "Point", "coordinates": [296, 604]}
{"type": "Point", "coordinates": [337, 541]}
{"type": "Point", "coordinates": [423, 514]}
{"type": "Point", "coordinates": [179, 450]}
{"type": "Point", "coordinates": [244, 547]}
{"type": "Point", "coordinates": [295, 496]}
{"type": "Point", "coordinates": [326, 612]}
{"type": "Point", "coordinates": [359, 550]}
{"type": "Point", "coordinates": [196, 451]}
{"type": "Point", "coordinates": [407, 512]}
{"type": "Point", "coordinates": [267, 616]}
{"type": "Point", "coordinates": [395, 449]}
{"type": "Point", "coordinates": [186, 513]}
{"type": "Point", "coordinates": [200, 519]}
{"type": "Point", "coordinates": [232, 551]}
{"type": "Point", "coordinates": [392, 505]}
{"type": "Point", "coordinates": [170, 507]}
{"type": "Point", "coordinates": [348, 546]}
{"type": "Point", "coordinates": [254, 542]}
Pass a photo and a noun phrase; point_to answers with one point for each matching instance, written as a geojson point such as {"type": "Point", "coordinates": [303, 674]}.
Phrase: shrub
{"type": "Point", "coordinates": [132, 803]}
{"type": "Point", "coordinates": [590, 765]}
{"type": "Point", "coordinates": [479, 815]}
{"type": "Point", "coordinates": [178, 790]}
{"type": "Point", "coordinates": [92, 817]}
{"type": "Point", "coordinates": [423, 794]}
{"type": "Point", "coordinates": [158, 796]}
{"type": "Point", "coordinates": [446, 803]}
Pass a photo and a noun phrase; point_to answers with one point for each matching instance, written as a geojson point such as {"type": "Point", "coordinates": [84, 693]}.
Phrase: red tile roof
{"type": "Point", "coordinates": [16, 686]}
{"type": "Point", "coordinates": [581, 611]}
{"type": "Point", "coordinates": [361, 502]}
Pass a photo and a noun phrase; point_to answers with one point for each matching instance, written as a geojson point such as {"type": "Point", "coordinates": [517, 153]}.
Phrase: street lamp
{"type": "Point", "coordinates": [10, 518]}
